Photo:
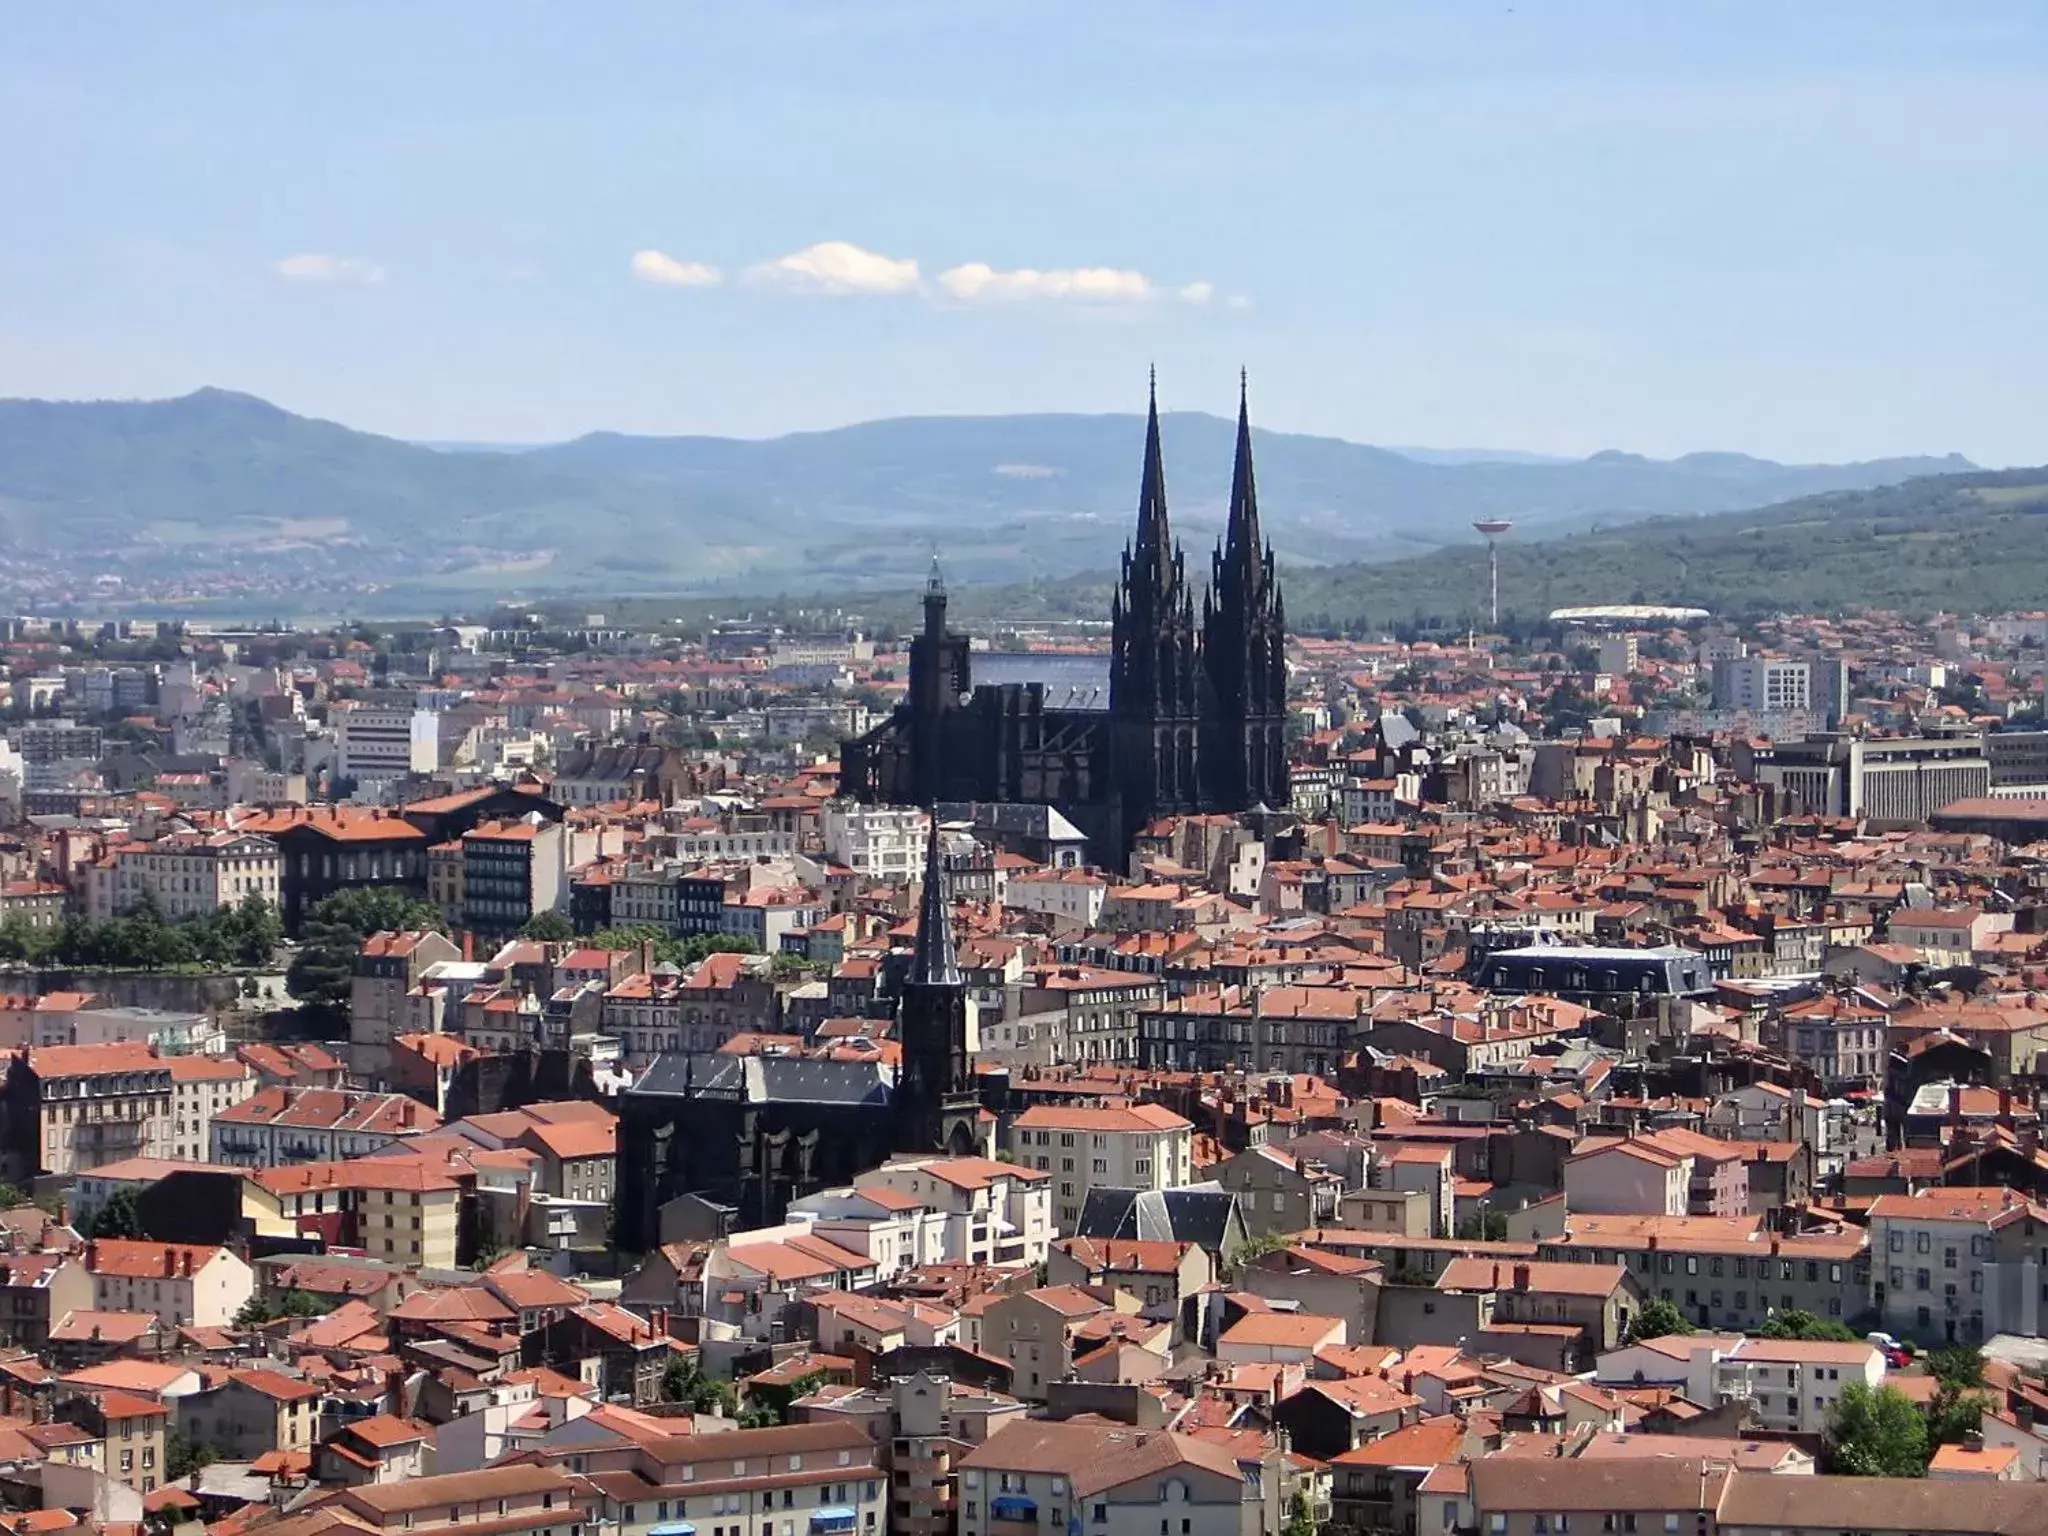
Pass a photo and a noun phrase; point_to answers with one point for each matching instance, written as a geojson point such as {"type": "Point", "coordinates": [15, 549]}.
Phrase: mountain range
{"type": "Point", "coordinates": [220, 479]}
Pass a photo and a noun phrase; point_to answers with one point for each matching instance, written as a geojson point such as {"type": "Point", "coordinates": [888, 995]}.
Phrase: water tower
{"type": "Point", "coordinates": [1492, 528]}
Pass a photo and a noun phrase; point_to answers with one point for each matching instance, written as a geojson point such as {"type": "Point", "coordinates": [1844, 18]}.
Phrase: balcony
{"type": "Point", "coordinates": [833, 1520]}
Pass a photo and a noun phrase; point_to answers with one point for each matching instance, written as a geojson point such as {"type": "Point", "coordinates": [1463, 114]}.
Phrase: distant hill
{"type": "Point", "coordinates": [1972, 542]}
{"type": "Point", "coordinates": [218, 479]}
{"type": "Point", "coordinates": [1054, 493]}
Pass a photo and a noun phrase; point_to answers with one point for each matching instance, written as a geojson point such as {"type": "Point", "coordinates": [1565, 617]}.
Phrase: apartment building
{"type": "Point", "coordinates": [1142, 1146]}
{"type": "Point", "coordinates": [989, 1212]}
{"type": "Point", "coordinates": [511, 870]}
{"type": "Point", "coordinates": [185, 1285]}
{"type": "Point", "coordinates": [375, 742]}
{"type": "Point", "coordinates": [388, 967]}
{"type": "Point", "coordinates": [408, 1211]}
{"type": "Point", "coordinates": [1958, 1264]}
{"type": "Point", "coordinates": [811, 1479]}
{"type": "Point", "coordinates": [183, 875]}
{"type": "Point", "coordinates": [521, 1499]}
{"type": "Point", "coordinates": [74, 1107]}
{"type": "Point", "coordinates": [1034, 1332]}
{"type": "Point", "coordinates": [1791, 1385]}
{"type": "Point", "coordinates": [1726, 1272]}
{"type": "Point", "coordinates": [1040, 1478]}
{"type": "Point", "coordinates": [203, 1087]}
{"type": "Point", "coordinates": [314, 1125]}
{"type": "Point", "coordinates": [879, 842]}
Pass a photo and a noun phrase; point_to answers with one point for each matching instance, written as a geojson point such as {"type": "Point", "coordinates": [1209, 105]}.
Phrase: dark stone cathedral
{"type": "Point", "coordinates": [753, 1133]}
{"type": "Point", "coordinates": [1181, 717]}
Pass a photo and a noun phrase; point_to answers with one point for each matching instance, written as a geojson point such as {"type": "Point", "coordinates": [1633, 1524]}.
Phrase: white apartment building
{"type": "Point", "coordinates": [186, 874]}
{"type": "Point", "coordinates": [1794, 1383]}
{"type": "Point", "coordinates": [882, 842]}
{"type": "Point", "coordinates": [1142, 1146]}
{"type": "Point", "coordinates": [201, 1088]}
{"type": "Point", "coordinates": [1763, 683]}
{"type": "Point", "coordinates": [1071, 895]}
{"type": "Point", "coordinates": [990, 1212]}
{"type": "Point", "coordinates": [375, 741]}
{"type": "Point", "coordinates": [1791, 1384]}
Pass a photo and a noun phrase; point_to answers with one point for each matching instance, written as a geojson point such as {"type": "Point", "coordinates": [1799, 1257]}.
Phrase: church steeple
{"type": "Point", "coordinates": [935, 962]}
{"type": "Point", "coordinates": [1244, 551]}
{"type": "Point", "coordinates": [936, 1108]}
{"type": "Point", "coordinates": [1155, 654]}
{"type": "Point", "coordinates": [1243, 644]}
{"type": "Point", "coordinates": [1150, 557]}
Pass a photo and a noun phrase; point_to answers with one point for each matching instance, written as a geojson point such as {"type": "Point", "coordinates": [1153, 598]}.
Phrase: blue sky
{"type": "Point", "coordinates": [1810, 230]}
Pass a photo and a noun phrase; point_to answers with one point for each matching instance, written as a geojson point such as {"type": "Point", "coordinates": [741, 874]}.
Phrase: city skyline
{"type": "Point", "coordinates": [1800, 235]}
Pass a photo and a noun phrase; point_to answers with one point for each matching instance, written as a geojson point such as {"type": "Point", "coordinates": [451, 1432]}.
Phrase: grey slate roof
{"type": "Point", "coordinates": [1195, 1213]}
{"type": "Point", "coordinates": [1071, 682]}
{"type": "Point", "coordinates": [765, 1079]}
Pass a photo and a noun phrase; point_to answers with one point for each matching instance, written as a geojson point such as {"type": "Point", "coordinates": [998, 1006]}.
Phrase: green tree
{"type": "Point", "coordinates": [700, 945]}
{"type": "Point", "coordinates": [1958, 1366]}
{"type": "Point", "coordinates": [1954, 1412]}
{"type": "Point", "coordinates": [258, 1310]}
{"type": "Point", "coordinates": [1300, 1522]}
{"type": "Point", "coordinates": [12, 1198]}
{"type": "Point", "coordinates": [1876, 1432]}
{"type": "Point", "coordinates": [334, 931]}
{"type": "Point", "coordinates": [117, 1217]}
{"type": "Point", "coordinates": [548, 927]}
{"type": "Point", "coordinates": [1657, 1320]}
{"type": "Point", "coordinates": [1485, 1227]}
{"type": "Point", "coordinates": [183, 1456]}
{"type": "Point", "coordinates": [1798, 1324]}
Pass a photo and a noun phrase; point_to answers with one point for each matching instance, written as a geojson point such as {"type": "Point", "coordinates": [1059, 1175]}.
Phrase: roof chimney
{"type": "Point", "coordinates": [1521, 1277]}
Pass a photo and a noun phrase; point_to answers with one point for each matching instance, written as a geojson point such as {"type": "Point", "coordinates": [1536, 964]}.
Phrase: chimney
{"type": "Point", "coordinates": [1521, 1277]}
{"type": "Point", "coordinates": [2005, 1107]}
{"type": "Point", "coordinates": [185, 1263]}
{"type": "Point", "coordinates": [170, 1261]}
{"type": "Point", "coordinates": [92, 1255]}
{"type": "Point", "coordinates": [1955, 1103]}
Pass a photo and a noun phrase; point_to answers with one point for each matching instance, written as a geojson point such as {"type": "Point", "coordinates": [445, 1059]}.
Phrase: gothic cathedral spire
{"type": "Point", "coordinates": [1243, 647]}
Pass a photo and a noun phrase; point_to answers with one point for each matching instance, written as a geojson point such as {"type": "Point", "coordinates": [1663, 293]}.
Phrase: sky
{"type": "Point", "coordinates": [1812, 231]}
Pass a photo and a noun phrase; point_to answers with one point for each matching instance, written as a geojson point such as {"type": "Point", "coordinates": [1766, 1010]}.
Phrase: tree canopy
{"type": "Point", "coordinates": [1876, 1432]}
{"type": "Point", "coordinates": [334, 931]}
{"type": "Point", "coordinates": [243, 935]}
{"type": "Point", "coordinates": [1657, 1320]}
{"type": "Point", "coordinates": [1797, 1324]}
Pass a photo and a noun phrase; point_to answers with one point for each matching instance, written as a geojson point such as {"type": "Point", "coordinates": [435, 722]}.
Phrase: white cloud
{"type": "Point", "coordinates": [976, 281]}
{"type": "Point", "coordinates": [839, 267]}
{"type": "Point", "coordinates": [312, 267]}
{"type": "Point", "coordinates": [652, 266]}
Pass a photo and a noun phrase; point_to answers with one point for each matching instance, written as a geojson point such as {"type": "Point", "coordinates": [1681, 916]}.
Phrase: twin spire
{"type": "Point", "coordinates": [1152, 554]}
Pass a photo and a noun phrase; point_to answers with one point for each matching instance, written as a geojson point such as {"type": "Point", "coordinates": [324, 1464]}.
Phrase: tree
{"type": "Point", "coordinates": [1953, 1413]}
{"type": "Point", "coordinates": [1797, 1324]}
{"type": "Point", "coordinates": [258, 1310]}
{"type": "Point", "coordinates": [334, 931]}
{"type": "Point", "coordinates": [1485, 1227]}
{"type": "Point", "coordinates": [12, 1198]}
{"type": "Point", "coordinates": [700, 945]}
{"type": "Point", "coordinates": [183, 1456]}
{"type": "Point", "coordinates": [1876, 1432]}
{"type": "Point", "coordinates": [548, 927]}
{"type": "Point", "coordinates": [1958, 1366]}
{"type": "Point", "coordinates": [1300, 1521]}
{"type": "Point", "coordinates": [117, 1217]}
{"type": "Point", "coordinates": [1658, 1319]}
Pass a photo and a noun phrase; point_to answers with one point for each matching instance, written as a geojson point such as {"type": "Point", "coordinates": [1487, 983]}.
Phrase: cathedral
{"type": "Point", "coordinates": [752, 1133]}
{"type": "Point", "coordinates": [1186, 714]}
